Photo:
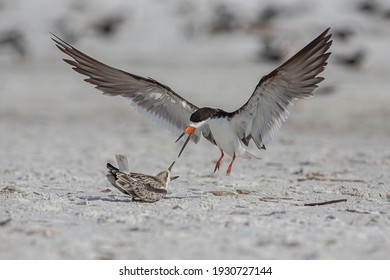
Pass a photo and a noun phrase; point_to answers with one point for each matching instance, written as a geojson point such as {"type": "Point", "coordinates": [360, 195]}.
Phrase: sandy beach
{"type": "Point", "coordinates": [58, 133]}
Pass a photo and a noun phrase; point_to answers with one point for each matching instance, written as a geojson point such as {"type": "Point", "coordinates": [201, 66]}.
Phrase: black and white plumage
{"type": "Point", "coordinates": [258, 119]}
{"type": "Point", "coordinates": [141, 187]}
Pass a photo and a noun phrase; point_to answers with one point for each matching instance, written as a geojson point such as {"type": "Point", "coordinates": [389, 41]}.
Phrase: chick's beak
{"type": "Point", "coordinates": [190, 130]}
{"type": "Point", "coordinates": [170, 167]}
{"type": "Point", "coordinates": [170, 170]}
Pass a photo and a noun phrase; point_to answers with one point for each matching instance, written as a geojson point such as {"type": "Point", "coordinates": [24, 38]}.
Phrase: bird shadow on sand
{"type": "Point", "coordinates": [116, 199]}
{"type": "Point", "coordinates": [109, 198]}
{"type": "Point", "coordinates": [184, 197]}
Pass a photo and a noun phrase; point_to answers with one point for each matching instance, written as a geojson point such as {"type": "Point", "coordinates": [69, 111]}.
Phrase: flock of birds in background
{"type": "Point", "coordinates": [224, 19]}
{"type": "Point", "coordinates": [147, 188]}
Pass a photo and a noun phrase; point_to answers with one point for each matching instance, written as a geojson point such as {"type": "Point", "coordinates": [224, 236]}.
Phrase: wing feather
{"type": "Point", "coordinates": [268, 107]}
{"type": "Point", "coordinates": [148, 96]}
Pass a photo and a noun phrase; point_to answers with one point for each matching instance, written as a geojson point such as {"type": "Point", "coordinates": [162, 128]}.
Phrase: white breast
{"type": "Point", "coordinates": [224, 135]}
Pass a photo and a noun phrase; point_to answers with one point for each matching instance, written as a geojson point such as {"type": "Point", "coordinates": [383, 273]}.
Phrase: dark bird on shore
{"type": "Point", "coordinates": [268, 14]}
{"type": "Point", "coordinates": [109, 25]}
{"type": "Point", "coordinates": [352, 60]}
{"type": "Point", "coordinates": [15, 41]}
{"type": "Point", "coordinates": [343, 33]}
{"type": "Point", "coordinates": [368, 6]}
{"type": "Point", "coordinates": [270, 51]}
{"type": "Point", "coordinates": [224, 20]}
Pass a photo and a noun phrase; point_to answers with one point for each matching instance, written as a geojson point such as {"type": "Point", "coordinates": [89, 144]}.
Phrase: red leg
{"type": "Point", "coordinates": [218, 164]}
{"type": "Point", "coordinates": [231, 165]}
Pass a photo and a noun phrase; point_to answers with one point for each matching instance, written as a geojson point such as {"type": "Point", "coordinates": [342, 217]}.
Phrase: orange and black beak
{"type": "Point", "coordinates": [190, 130]}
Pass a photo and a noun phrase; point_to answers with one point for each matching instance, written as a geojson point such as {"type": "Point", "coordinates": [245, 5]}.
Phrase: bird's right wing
{"type": "Point", "coordinates": [148, 96]}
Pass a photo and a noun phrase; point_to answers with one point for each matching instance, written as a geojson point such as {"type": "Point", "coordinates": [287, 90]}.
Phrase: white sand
{"type": "Point", "coordinates": [57, 133]}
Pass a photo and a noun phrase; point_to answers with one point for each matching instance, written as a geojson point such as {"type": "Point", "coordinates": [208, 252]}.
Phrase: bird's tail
{"type": "Point", "coordinates": [123, 164]}
{"type": "Point", "coordinates": [118, 177]}
{"type": "Point", "coordinates": [249, 155]}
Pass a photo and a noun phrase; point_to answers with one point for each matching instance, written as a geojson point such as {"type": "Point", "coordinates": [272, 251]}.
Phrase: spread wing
{"type": "Point", "coordinates": [148, 96]}
{"type": "Point", "coordinates": [263, 114]}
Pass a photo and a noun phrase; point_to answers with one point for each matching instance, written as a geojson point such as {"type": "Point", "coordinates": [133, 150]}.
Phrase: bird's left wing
{"type": "Point", "coordinates": [148, 96]}
{"type": "Point", "coordinates": [268, 107]}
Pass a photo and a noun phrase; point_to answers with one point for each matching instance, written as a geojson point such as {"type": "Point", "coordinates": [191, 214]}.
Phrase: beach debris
{"type": "Point", "coordinates": [273, 213]}
{"type": "Point", "coordinates": [273, 199]}
{"type": "Point", "coordinates": [227, 193]}
{"type": "Point", "coordinates": [142, 187]}
{"type": "Point", "coordinates": [44, 232]}
{"type": "Point", "coordinates": [223, 193]}
{"type": "Point", "coordinates": [240, 213]}
{"type": "Point", "coordinates": [325, 202]}
{"type": "Point", "coordinates": [243, 191]}
{"type": "Point", "coordinates": [317, 176]}
{"type": "Point", "coordinates": [364, 212]}
{"type": "Point", "coordinates": [8, 190]}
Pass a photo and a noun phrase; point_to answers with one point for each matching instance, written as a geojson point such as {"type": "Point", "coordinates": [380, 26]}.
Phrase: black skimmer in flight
{"type": "Point", "coordinates": [141, 187]}
{"type": "Point", "coordinates": [258, 119]}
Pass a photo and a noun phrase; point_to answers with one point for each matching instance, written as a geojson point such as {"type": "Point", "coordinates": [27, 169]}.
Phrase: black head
{"type": "Point", "coordinates": [202, 114]}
